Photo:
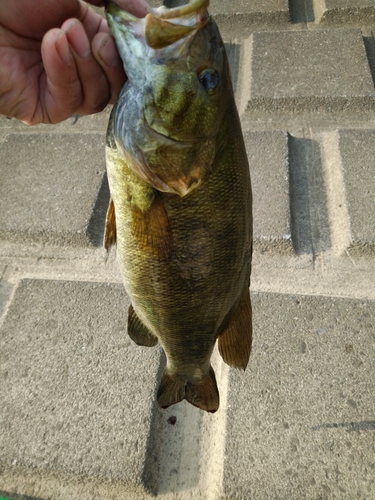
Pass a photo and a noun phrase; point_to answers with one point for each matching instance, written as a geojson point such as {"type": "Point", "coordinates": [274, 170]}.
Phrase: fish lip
{"type": "Point", "coordinates": [190, 7]}
{"type": "Point", "coordinates": [172, 139]}
{"type": "Point", "coordinates": [159, 28]}
{"type": "Point", "coordinates": [115, 10]}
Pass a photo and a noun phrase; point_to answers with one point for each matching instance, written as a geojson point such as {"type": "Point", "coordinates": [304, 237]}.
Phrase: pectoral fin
{"type": "Point", "coordinates": [235, 341]}
{"type": "Point", "coordinates": [138, 332]}
{"type": "Point", "coordinates": [152, 230]}
{"type": "Point", "coordinates": [110, 226]}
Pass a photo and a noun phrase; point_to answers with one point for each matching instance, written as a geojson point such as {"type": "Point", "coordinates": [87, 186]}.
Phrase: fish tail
{"type": "Point", "coordinates": [203, 394]}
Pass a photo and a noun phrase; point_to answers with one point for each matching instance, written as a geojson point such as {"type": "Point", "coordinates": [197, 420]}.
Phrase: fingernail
{"type": "Point", "coordinates": [62, 48]}
{"type": "Point", "coordinates": [78, 40]}
{"type": "Point", "coordinates": [108, 53]}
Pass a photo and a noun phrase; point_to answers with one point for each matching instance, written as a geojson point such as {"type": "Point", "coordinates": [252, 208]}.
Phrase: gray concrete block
{"type": "Point", "coordinates": [50, 186]}
{"type": "Point", "coordinates": [238, 16]}
{"type": "Point", "coordinates": [319, 70]}
{"type": "Point", "coordinates": [341, 11]}
{"type": "Point", "coordinates": [301, 420]}
{"type": "Point", "coordinates": [357, 151]}
{"type": "Point", "coordinates": [268, 158]}
{"type": "Point", "coordinates": [77, 395]}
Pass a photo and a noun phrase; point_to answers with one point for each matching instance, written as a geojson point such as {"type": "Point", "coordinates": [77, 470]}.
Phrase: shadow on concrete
{"type": "Point", "coordinates": [13, 496]}
{"type": "Point", "coordinates": [233, 51]}
{"type": "Point", "coordinates": [301, 11]}
{"type": "Point", "coordinates": [365, 425]}
{"type": "Point", "coordinates": [308, 200]}
{"type": "Point", "coordinates": [369, 42]}
{"type": "Point", "coordinates": [152, 462]}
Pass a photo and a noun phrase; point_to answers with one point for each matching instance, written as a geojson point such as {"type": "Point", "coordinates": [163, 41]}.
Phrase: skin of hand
{"type": "Point", "coordinates": [57, 58]}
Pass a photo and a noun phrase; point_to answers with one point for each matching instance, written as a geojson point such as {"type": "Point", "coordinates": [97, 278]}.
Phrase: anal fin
{"type": "Point", "coordinates": [152, 230]}
{"type": "Point", "coordinates": [138, 332]}
{"type": "Point", "coordinates": [110, 226]}
{"type": "Point", "coordinates": [203, 394]}
{"type": "Point", "coordinates": [235, 341]}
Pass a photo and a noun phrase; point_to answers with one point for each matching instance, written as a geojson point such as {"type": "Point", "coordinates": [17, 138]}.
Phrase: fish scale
{"type": "Point", "coordinates": [181, 204]}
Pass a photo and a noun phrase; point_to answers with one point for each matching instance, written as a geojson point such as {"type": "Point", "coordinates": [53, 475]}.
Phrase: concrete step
{"type": "Point", "coordinates": [78, 418]}
{"type": "Point", "coordinates": [82, 394]}
{"type": "Point", "coordinates": [300, 421]}
{"type": "Point", "coordinates": [357, 151]}
{"type": "Point", "coordinates": [300, 71]}
{"type": "Point", "coordinates": [339, 12]}
{"type": "Point", "coordinates": [55, 200]}
{"type": "Point", "coordinates": [81, 417]}
{"type": "Point", "coordinates": [330, 171]}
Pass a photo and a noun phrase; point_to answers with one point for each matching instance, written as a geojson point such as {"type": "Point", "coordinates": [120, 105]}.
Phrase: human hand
{"type": "Point", "coordinates": [49, 73]}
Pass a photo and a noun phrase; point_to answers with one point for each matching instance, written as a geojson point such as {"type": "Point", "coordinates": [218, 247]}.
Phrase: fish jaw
{"type": "Point", "coordinates": [127, 31]}
{"type": "Point", "coordinates": [153, 32]}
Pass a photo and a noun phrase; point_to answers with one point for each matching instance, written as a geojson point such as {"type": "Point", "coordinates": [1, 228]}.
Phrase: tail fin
{"type": "Point", "coordinates": [203, 394]}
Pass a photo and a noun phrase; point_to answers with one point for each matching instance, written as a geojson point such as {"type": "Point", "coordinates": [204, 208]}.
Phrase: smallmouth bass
{"type": "Point", "coordinates": [181, 204]}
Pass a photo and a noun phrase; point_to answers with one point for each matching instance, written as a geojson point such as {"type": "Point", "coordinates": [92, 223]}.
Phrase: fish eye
{"type": "Point", "coordinates": [209, 79]}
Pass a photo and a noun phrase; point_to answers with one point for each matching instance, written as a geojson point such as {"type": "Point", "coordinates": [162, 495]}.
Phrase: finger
{"type": "Point", "coordinates": [139, 8]}
{"type": "Point", "coordinates": [92, 21]}
{"type": "Point", "coordinates": [34, 19]}
{"type": "Point", "coordinates": [94, 84]}
{"type": "Point", "coordinates": [60, 90]}
{"type": "Point", "coordinates": [105, 52]}
{"type": "Point", "coordinates": [98, 3]}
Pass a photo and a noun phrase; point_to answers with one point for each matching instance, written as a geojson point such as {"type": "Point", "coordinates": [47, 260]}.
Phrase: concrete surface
{"type": "Point", "coordinates": [359, 148]}
{"type": "Point", "coordinates": [268, 156]}
{"type": "Point", "coordinates": [50, 200]}
{"type": "Point", "coordinates": [340, 11]}
{"type": "Point", "coordinates": [281, 71]}
{"type": "Point", "coordinates": [238, 17]}
{"type": "Point", "coordinates": [78, 413]}
{"type": "Point", "coordinates": [319, 352]}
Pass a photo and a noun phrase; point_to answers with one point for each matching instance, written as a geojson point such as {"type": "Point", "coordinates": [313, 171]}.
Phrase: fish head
{"type": "Point", "coordinates": [178, 74]}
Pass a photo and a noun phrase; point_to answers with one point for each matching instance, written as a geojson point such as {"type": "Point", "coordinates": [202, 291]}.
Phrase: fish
{"type": "Point", "coordinates": [180, 208]}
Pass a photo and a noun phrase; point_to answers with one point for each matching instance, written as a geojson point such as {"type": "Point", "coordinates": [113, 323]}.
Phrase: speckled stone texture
{"type": "Point", "coordinates": [78, 415]}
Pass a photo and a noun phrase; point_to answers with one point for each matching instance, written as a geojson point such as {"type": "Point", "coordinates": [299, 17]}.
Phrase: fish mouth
{"type": "Point", "coordinates": [163, 26]}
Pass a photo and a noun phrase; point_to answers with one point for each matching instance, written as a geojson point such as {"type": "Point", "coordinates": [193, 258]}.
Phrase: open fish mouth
{"type": "Point", "coordinates": [162, 26]}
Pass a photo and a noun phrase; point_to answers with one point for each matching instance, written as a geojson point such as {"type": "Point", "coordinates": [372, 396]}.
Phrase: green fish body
{"type": "Point", "coordinates": [181, 205]}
